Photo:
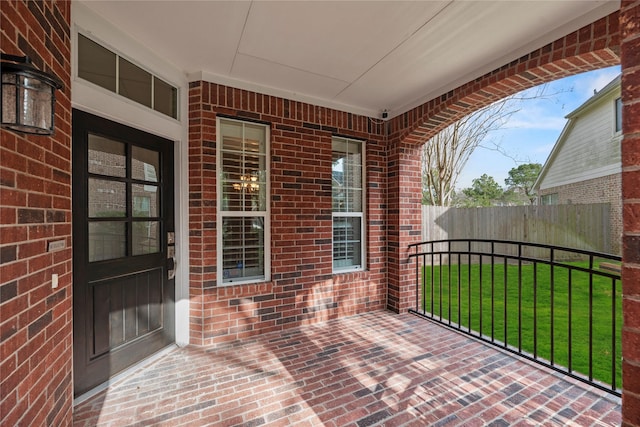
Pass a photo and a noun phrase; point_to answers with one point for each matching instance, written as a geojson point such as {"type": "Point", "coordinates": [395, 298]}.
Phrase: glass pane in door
{"type": "Point", "coordinates": [146, 237]}
{"type": "Point", "coordinates": [107, 198]}
{"type": "Point", "coordinates": [107, 157]}
{"type": "Point", "coordinates": [145, 164]}
{"type": "Point", "coordinates": [107, 240]}
{"type": "Point", "coordinates": [145, 200]}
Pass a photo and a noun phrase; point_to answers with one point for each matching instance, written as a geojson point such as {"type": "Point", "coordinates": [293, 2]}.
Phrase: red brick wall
{"type": "Point", "coordinates": [303, 288]}
{"type": "Point", "coordinates": [606, 189]}
{"type": "Point", "coordinates": [35, 189]}
{"type": "Point", "coordinates": [630, 36]}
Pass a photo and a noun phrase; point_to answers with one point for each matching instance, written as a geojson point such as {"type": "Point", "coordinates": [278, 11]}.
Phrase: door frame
{"type": "Point", "coordinates": [90, 98]}
{"type": "Point", "coordinates": [80, 263]}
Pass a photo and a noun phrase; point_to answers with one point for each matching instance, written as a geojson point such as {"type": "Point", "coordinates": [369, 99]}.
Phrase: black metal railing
{"type": "Point", "coordinates": [559, 307]}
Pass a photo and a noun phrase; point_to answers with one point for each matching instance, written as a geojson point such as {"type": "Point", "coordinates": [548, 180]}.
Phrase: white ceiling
{"type": "Point", "coordinates": [359, 56]}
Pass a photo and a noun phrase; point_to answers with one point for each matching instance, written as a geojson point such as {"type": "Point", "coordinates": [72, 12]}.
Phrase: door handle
{"type": "Point", "coordinates": [171, 255]}
{"type": "Point", "coordinates": [171, 267]}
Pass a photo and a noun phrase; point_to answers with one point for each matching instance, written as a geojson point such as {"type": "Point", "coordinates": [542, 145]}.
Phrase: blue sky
{"type": "Point", "coordinates": [531, 133]}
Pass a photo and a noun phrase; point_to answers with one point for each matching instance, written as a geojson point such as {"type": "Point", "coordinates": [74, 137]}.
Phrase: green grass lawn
{"type": "Point", "coordinates": [462, 291]}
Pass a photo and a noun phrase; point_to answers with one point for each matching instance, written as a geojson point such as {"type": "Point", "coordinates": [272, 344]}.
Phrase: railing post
{"type": "Point", "coordinates": [459, 287]}
{"type": "Point", "coordinates": [505, 311]}
{"type": "Point", "coordinates": [590, 320]}
{"type": "Point", "coordinates": [480, 291]}
{"type": "Point", "coordinates": [570, 314]}
{"type": "Point", "coordinates": [535, 310]}
{"type": "Point", "coordinates": [449, 282]}
{"type": "Point", "coordinates": [613, 334]}
{"type": "Point", "coordinates": [432, 278]}
{"type": "Point", "coordinates": [553, 309]}
{"type": "Point", "coordinates": [469, 285]}
{"type": "Point", "coordinates": [418, 281]}
{"type": "Point", "coordinates": [493, 287]}
{"type": "Point", "coordinates": [520, 297]}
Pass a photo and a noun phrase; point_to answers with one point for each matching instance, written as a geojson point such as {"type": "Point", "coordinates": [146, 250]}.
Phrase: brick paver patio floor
{"type": "Point", "coordinates": [377, 369]}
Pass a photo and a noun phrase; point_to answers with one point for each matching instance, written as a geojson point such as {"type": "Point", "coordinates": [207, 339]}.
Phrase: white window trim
{"type": "Point", "coordinates": [257, 214]}
{"type": "Point", "coordinates": [362, 215]}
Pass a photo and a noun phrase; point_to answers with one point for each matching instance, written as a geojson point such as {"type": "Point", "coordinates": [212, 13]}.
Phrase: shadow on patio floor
{"type": "Point", "coordinates": [372, 369]}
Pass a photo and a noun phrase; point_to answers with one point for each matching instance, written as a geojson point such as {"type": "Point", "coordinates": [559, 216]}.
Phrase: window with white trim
{"type": "Point", "coordinates": [348, 197]}
{"type": "Point", "coordinates": [243, 202]}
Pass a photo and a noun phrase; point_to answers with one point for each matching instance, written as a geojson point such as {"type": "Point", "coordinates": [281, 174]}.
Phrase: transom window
{"type": "Point", "coordinates": [348, 204]}
{"type": "Point", "coordinates": [243, 202]}
{"type": "Point", "coordinates": [102, 67]}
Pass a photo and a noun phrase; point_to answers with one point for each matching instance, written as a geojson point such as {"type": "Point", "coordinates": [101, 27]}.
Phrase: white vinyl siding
{"type": "Point", "coordinates": [243, 202]}
{"type": "Point", "coordinates": [591, 148]}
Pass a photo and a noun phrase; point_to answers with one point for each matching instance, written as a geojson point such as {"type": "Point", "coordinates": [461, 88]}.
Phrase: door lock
{"type": "Point", "coordinates": [171, 255]}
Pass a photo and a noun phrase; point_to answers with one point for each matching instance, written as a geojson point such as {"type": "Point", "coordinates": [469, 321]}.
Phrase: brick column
{"type": "Point", "coordinates": [630, 58]}
{"type": "Point", "coordinates": [405, 222]}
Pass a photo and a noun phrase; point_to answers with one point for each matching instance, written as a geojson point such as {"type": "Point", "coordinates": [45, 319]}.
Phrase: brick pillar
{"type": "Point", "coordinates": [405, 223]}
{"type": "Point", "coordinates": [630, 58]}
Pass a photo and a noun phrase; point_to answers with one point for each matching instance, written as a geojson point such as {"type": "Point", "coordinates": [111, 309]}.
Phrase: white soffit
{"type": "Point", "coordinates": [341, 40]}
{"type": "Point", "coordinates": [358, 56]}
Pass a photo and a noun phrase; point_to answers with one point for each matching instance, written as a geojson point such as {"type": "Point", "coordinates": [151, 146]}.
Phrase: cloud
{"type": "Point", "coordinates": [594, 80]}
{"type": "Point", "coordinates": [541, 108]}
{"type": "Point", "coordinates": [543, 149]}
{"type": "Point", "coordinates": [559, 98]}
{"type": "Point", "coordinates": [537, 114]}
{"type": "Point", "coordinates": [537, 121]}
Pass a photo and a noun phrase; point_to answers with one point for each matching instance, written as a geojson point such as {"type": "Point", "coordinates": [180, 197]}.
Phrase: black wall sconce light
{"type": "Point", "coordinates": [28, 96]}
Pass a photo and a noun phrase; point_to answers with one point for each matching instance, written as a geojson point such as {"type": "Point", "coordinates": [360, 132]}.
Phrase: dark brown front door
{"type": "Point", "coordinates": [123, 292]}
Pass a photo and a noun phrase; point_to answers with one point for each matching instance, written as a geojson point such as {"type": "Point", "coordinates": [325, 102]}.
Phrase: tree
{"type": "Point", "coordinates": [522, 179]}
{"type": "Point", "coordinates": [483, 192]}
{"type": "Point", "coordinates": [445, 154]}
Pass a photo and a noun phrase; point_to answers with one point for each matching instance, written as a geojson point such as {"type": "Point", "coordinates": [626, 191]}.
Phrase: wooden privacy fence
{"type": "Point", "coordinates": [584, 227]}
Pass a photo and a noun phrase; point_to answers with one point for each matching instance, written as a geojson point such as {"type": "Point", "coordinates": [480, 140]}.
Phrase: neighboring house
{"type": "Point", "coordinates": [585, 165]}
